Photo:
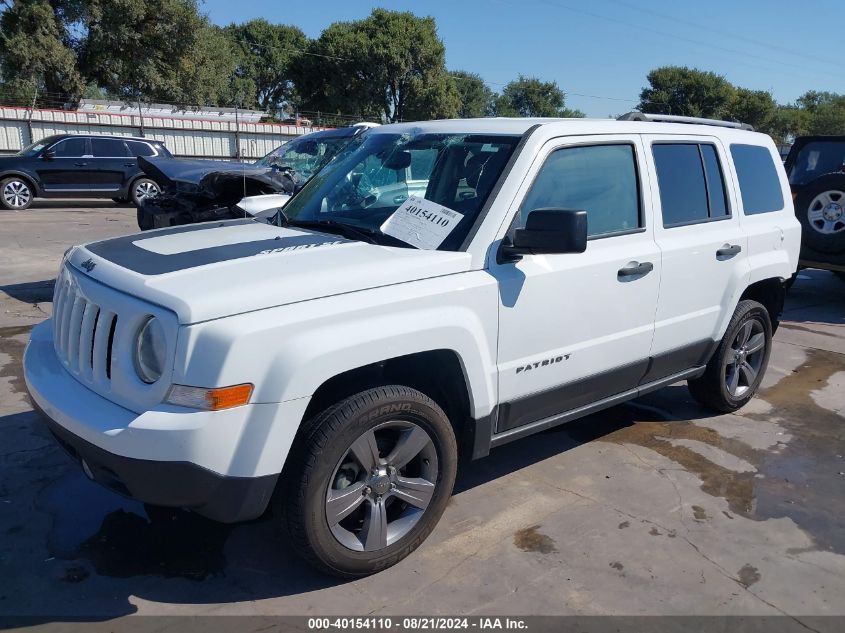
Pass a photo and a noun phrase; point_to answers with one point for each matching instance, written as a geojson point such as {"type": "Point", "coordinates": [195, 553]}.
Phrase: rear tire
{"type": "Point", "coordinates": [143, 188]}
{"type": "Point", "coordinates": [367, 480]}
{"type": "Point", "coordinates": [16, 194]}
{"type": "Point", "coordinates": [736, 369]}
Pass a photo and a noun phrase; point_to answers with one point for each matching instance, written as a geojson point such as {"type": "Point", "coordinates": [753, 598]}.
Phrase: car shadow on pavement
{"type": "Point", "coordinates": [110, 548]}
{"type": "Point", "coordinates": [76, 203]}
{"type": "Point", "coordinates": [817, 296]}
{"type": "Point", "coordinates": [31, 292]}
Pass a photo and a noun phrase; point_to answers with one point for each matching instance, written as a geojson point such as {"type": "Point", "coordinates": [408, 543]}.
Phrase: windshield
{"type": "Point", "coordinates": [407, 180]}
{"type": "Point", "coordinates": [816, 159]}
{"type": "Point", "coordinates": [33, 149]}
{"type": "Point", "coordinates": [303, 155]}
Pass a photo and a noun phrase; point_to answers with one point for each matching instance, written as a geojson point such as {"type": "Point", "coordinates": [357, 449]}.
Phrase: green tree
{"type": "Point", "coordinates": [162, 50]}
{"type": "Point", "coordinates": [531, 97]}
{"type": "Point", "coordinates": [36, 52]}
{"type": "Point", "coordinates": [687, 92]}
{"type": "Point", "coordinates": [477, 100]}
{"type": "Point", "coordinates": [390, 65]}
{"type": "Point", "coordinates": [264, 57]}
{"type": "Point", "coordinates": [824, 112]}
{"type": "Point", "coordinates": [755, 107]}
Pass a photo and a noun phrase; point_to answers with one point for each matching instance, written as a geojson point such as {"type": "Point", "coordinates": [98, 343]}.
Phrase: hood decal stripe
{"type": "Point", "coordinates": [123, 252]}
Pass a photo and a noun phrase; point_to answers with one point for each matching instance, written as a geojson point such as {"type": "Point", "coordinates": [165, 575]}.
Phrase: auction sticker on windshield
{"type": "Point", "coordinates": [421, 223]}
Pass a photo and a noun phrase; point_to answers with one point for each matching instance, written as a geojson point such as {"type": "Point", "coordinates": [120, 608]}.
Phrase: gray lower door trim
{"type": "Point", "coordinates": [546, 423]}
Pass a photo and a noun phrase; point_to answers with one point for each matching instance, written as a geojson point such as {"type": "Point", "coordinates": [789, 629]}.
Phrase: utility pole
{"type": "Point", "coordinates": [237, 134]}
{"type": "Point", "coordinates": [29, 118]}
{"type": "Point", "coordinates": [141, 115]}
{"type": "Point", "coordinates": [238, 102]}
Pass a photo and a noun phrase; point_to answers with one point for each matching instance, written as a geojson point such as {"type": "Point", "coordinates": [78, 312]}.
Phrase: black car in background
{"type": "Point", "coordinates": [78, 166]}
{"type": "Point", "coordinates": [816, 169]}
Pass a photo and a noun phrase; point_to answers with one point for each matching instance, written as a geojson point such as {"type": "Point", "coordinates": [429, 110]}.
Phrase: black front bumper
{"type": "Point", "coordinates": [170, 484]}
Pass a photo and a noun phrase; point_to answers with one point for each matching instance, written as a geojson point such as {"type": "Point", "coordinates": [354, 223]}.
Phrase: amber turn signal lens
{"type": "Point", "coordinates": [209, 399]}
{"type": "Point", "coordinates": [228, 397]}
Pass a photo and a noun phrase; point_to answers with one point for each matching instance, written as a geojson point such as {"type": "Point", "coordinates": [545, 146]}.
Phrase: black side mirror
{"type": "Point", "coordinates": [48, 154]}
{"type": "Point", "coordinates": [546, 232]}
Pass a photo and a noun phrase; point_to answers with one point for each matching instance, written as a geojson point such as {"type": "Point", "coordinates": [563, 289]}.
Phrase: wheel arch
{"type": "Point", "coordinates": [771, 293]}
{"type": "Point", "coordinates": [447, 385]}
{"type": "Point", "coordinates": [32, 182]}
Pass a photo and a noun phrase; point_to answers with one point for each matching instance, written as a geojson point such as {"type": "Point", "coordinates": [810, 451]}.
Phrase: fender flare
{"type": "Point", "coordinates": [25, 176]}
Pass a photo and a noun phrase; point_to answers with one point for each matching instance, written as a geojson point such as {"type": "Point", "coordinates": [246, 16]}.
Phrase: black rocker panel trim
{"type": "Point", "coordinates": [586, 391]}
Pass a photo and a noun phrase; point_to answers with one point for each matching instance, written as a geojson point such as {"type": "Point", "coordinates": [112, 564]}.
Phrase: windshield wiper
{"type": "Point", "coordinates": [328, 226]}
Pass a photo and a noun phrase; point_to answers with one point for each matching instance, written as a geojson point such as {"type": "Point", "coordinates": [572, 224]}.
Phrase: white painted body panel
{"type": "Point", "coordinates": [573, 305]}
{"type": "Point", "coordinates": [293, 275]}
{"type": "Point", "coordinates": [290, 319]}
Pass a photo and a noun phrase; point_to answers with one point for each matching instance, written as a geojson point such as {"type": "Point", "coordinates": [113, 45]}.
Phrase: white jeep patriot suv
{"type": "Point", "coordinates": [440, 287]}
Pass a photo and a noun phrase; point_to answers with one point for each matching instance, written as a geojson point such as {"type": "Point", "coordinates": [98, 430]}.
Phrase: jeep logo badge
{"type": "Point", "coordinates": [88, 265]}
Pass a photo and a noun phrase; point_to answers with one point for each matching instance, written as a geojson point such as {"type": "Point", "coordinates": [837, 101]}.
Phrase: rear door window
{"type": "Point", "coordinates": [692, 188]}
{"type": "Point", "coordinates": [108, 148]}
{"type": "Point", "coordinates": [758, 179]}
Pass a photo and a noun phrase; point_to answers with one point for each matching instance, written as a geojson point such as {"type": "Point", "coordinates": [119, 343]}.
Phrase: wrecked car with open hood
{"type": "Point", "coordinates": [204, 190]}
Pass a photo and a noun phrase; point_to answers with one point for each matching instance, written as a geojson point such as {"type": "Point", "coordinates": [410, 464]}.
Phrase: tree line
{"type": "Point", "coordinates": [389, 66]}
{"type": "Point", "coordinates": [691, 92]}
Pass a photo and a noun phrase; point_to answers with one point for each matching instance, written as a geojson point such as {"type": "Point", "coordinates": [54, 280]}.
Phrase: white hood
{"type": "Point", "coordinates": [207, 271]}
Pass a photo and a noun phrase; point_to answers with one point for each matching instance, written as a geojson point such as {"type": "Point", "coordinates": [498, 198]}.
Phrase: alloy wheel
{"type": "Point", "coordinates": [382, 486]}
{"type": "Point", "coordinates": [16, 194]}
{"type": "Point", "coordinates": [744, 359]}
{"type": "Point", "coordinates": [145, 189]}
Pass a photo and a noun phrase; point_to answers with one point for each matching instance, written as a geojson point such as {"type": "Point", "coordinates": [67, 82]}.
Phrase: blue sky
{"type": "Point", "coordinates": [605, 48]}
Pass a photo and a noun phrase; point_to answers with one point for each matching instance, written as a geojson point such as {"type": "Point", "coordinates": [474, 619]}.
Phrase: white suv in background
{"type": "Point", "coordinates": [334, 363]}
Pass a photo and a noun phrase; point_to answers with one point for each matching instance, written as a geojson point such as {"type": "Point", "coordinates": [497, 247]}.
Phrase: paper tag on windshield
{"type": "Point", "coordinates": [421, 223]}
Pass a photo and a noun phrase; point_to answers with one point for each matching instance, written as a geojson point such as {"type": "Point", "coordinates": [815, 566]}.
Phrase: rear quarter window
{"type": "Point", "coordinates": [139, 148]}
{"type": "Point", "coordinates": [759, 184]}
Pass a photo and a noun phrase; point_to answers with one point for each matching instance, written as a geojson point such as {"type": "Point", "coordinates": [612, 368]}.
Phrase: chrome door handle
{"type": "Point", "coordinates": [635, 269]}
{"type": "Point", "coordinates": [728, 250]}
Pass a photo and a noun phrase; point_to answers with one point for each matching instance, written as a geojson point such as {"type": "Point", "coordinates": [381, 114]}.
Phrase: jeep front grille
{"type": "Point", "coordinates": [83, 332]}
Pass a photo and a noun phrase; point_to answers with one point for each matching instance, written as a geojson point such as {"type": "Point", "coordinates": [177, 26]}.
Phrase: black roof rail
{"type": "Point", "coordinates": [672, 118]}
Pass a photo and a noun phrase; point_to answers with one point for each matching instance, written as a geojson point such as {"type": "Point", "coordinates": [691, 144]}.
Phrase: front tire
{"type": "Point", "coordinates": [735, 371]}
{"type": "Point", "coordinates": [16, 194]}
{"type": "Point", "coordinates": [367, 480]}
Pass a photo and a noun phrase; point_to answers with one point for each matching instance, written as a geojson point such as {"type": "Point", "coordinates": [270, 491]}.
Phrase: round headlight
{"type": "Point", "coordinates": [150, 351]}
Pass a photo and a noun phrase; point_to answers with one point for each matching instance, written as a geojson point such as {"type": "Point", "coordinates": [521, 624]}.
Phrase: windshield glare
{"type": "Point", "coordinates": [33, 149]}
{"type": "Point", "coordinates": [376, 174]}
{"type": "Point", "coordinates": [303, 155]}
